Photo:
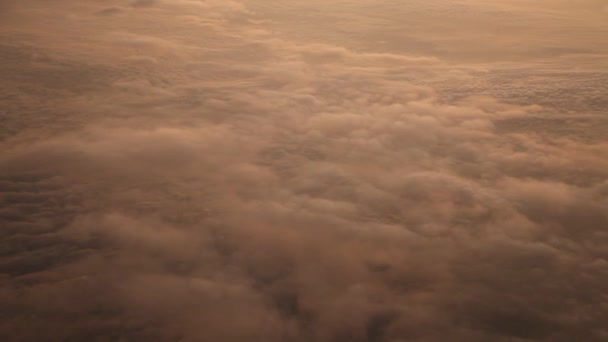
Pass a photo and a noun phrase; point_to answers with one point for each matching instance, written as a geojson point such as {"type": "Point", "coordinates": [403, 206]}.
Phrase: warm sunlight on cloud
{"type": "Point", "coordinates": [303, 171]}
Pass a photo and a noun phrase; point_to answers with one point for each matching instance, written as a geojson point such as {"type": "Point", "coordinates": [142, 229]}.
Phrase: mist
{"type": "Point", "coordinates": [374, 171]}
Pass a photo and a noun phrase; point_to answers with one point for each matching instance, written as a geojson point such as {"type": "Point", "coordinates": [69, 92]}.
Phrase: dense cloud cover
{"type": "Point", "coordinates": [190, 170]}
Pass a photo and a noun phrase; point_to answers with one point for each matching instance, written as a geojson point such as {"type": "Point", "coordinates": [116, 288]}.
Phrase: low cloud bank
{"type": "Point", "coordinates": [173, 170]}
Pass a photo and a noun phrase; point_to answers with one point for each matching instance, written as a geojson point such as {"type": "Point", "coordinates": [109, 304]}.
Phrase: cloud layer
{"type": "Point", "coordinates": [223, 171]}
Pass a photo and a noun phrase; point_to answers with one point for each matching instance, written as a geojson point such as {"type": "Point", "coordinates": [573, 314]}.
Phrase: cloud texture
{"type": "Point", "coordinates": [228, 171]}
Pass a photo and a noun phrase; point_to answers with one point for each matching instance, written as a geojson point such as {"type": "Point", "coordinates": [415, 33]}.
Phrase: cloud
{"type": "Point", "coordinates": [187, 171]}
{"type": "Point", "coordinates": [143, 3]}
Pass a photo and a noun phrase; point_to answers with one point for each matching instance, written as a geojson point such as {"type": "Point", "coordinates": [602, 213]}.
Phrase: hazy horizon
{"type": "Point", "coordinates": [306, 171]}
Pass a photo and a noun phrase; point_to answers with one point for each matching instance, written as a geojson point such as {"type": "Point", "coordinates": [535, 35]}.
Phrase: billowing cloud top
{"type": "Point", "coordinates": [190, 170]}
